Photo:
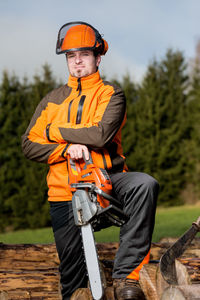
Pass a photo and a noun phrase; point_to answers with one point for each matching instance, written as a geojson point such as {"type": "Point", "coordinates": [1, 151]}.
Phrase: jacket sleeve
{"type": "Point", "coordinates": [34, 144]}
{"type": "Point", "coordinates": [107, 121]}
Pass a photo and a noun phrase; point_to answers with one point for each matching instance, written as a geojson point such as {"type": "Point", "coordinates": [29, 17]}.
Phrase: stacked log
{"type": "Point", "coordinates": [31, 272]}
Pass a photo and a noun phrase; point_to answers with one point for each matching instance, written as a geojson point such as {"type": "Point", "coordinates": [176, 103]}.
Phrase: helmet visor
{"type": "Point", "coordinates": [77, 36]}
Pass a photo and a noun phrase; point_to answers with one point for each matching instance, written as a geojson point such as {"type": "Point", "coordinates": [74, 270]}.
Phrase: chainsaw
{"type": "Point", "coordinates": [94, 208]}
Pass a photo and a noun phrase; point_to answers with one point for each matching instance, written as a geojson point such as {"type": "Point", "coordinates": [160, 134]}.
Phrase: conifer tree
{"type": "Point", "coordinates": [11, 175]}
{"type": "Point", "coordinates": [23, 197]}
{"type": "Point", "coordinates": [160, 126]}
{"type": "Point", "coordinates": [131, 93]}
{"type": "Point", "coordinates": [37, 214]}
{"type": "Point", "coordinates": [193, 143]}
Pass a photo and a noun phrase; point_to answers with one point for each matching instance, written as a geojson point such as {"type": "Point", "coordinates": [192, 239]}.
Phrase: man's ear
{"type": "Point", "coordinates": [98, 60]}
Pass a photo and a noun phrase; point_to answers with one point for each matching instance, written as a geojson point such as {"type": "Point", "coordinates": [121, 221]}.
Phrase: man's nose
{"type": "Point", "coordinates": [78, 59]}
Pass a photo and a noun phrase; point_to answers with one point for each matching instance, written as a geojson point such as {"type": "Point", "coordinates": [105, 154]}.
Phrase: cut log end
{"type": "Point", "coordinates": [184, 292]}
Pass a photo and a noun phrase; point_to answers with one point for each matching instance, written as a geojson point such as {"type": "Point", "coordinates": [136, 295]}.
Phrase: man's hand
{"type": "Point", "coordinates": [76, 151]}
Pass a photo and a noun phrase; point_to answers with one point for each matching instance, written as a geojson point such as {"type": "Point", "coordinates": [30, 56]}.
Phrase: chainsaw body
{"type": "Point", "coordinates": [94, 208]}
{"type": "Point", "coordinates": [92, 200]}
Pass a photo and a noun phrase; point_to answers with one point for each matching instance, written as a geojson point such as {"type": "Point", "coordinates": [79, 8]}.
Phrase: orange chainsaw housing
{"type": "Point", "coordinates": [82, 171]}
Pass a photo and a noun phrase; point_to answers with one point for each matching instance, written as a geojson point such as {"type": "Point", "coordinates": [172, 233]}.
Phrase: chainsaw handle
{"type": "Point", "coordinates": [89, 161]}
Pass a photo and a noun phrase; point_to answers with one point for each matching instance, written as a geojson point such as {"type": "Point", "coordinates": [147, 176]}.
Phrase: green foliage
{"type": "Point", "coordinates": [159, 127]}
{"type": "Point", "coordinates": [170, 222]}
{"type": "Point", "coordinates": [22, 183]}
{"type": "Point", "coordinates": [161, 137]}
{"type": "Point", "coordinates": [192, 145]}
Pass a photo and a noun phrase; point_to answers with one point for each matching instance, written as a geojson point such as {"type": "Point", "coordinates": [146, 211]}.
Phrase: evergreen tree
{"type": "Point", "coordinates": [161, 137]}
{"type": "Point", "coordinates": [160, 126]}
{"type": "Point", "coordinates": [37, 214]}
{"type": "Point", "coordinates": [23, 197]}
{"type": "Point", "coordinates": [193, 143]}
{"type": "Point", "coordinates": [11, 176]}
{"type": "Point", "coordinates": [131, 93]}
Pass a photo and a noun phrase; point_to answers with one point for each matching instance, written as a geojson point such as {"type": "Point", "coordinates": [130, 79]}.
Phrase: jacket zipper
{"type": "Point", "coordinates": [79, 89]}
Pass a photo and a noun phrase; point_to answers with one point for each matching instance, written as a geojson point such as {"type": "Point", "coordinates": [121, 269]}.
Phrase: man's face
{"type": "Point", "coordinates": [82, 63]}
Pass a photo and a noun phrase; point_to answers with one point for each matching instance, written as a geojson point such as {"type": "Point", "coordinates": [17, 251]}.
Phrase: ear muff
{"type": "Point", "coordinates": [102, 47]}
{"type": "Point", "coordinates": [105, 47]}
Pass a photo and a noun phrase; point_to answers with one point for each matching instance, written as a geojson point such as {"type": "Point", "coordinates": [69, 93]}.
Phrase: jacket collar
{"type": "Point", "coordinates": [84, 82]}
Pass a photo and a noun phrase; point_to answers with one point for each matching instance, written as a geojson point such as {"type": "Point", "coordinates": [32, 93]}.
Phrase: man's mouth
{"type": "Point", "coordinates": [79, 67]}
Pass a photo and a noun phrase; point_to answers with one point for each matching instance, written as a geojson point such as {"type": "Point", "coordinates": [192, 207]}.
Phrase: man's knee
{"type": "Point", "coordinates": [150, 189]}
{"type": "Point", "coordinates": [143, 181]}
{"type": "Point", "coordinates": [144, 188]}
{"type": "Point", "coordinates": [151, 183]}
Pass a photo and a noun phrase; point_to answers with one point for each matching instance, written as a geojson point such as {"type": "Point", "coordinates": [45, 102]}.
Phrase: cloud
{"type": "Point", "coordinates": [136, 30]}
{"type": "Point", "coordinates": [115, 65]}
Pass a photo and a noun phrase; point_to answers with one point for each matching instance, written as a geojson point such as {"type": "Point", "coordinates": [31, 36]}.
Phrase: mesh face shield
{"type": "Point", "coordinates": [75, 36]}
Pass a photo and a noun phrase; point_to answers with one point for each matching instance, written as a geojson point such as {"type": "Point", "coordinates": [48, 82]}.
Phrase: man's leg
{"type": "Point", "coordinates": [137, 193]}
{"type": "Point", "coordinates": [69, 246]}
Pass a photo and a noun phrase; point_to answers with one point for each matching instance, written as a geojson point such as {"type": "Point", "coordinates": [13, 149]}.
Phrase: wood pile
{"type": "Point", "coordinates": [31, 272]}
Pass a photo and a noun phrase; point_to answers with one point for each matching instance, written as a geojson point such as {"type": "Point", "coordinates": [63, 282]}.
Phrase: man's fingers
{"type": "Point", "coordinates": [76, 151]}
{"type": "Point", "coordinates": [86, 153]}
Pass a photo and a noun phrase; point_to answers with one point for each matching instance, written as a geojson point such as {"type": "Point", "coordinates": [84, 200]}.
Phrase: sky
{"type": "Point", "coordinates": [137, 32]}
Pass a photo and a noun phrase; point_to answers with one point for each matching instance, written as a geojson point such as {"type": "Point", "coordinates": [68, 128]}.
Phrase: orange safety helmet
{"type": "Point", "coordinates": [75, 36]}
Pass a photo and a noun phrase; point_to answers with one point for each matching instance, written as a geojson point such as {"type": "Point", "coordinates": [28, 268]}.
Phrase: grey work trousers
{"type": "Point", "coordinates": [137, 194]}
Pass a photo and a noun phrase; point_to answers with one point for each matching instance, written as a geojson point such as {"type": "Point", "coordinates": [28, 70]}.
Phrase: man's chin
{"type": "Point", "coordinates": [80, 73]}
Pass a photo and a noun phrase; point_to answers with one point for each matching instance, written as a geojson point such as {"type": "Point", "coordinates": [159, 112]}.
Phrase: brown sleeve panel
{"type": "Point", "coordinates": [39, 149]}
{"type": "Point", "coordinates": [102, 134]}
{"type": "Point", "coordinates": [36, 151]}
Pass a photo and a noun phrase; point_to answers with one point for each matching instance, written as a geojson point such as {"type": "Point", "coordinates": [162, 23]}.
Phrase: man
{"type": "Point", "coordinates": [87, 114]}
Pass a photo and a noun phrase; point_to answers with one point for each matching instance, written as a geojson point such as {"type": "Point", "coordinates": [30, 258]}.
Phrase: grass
{"type": "Point", "coordinates": [174, 221]}
{"type": "Point", "coordinates": [170, 222]}
{"type": "Point", "coordinates": [28, 236]}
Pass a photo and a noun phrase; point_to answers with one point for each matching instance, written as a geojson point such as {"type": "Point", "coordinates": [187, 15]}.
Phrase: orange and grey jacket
{"type": "Point", "coordinates": [86, 111]}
